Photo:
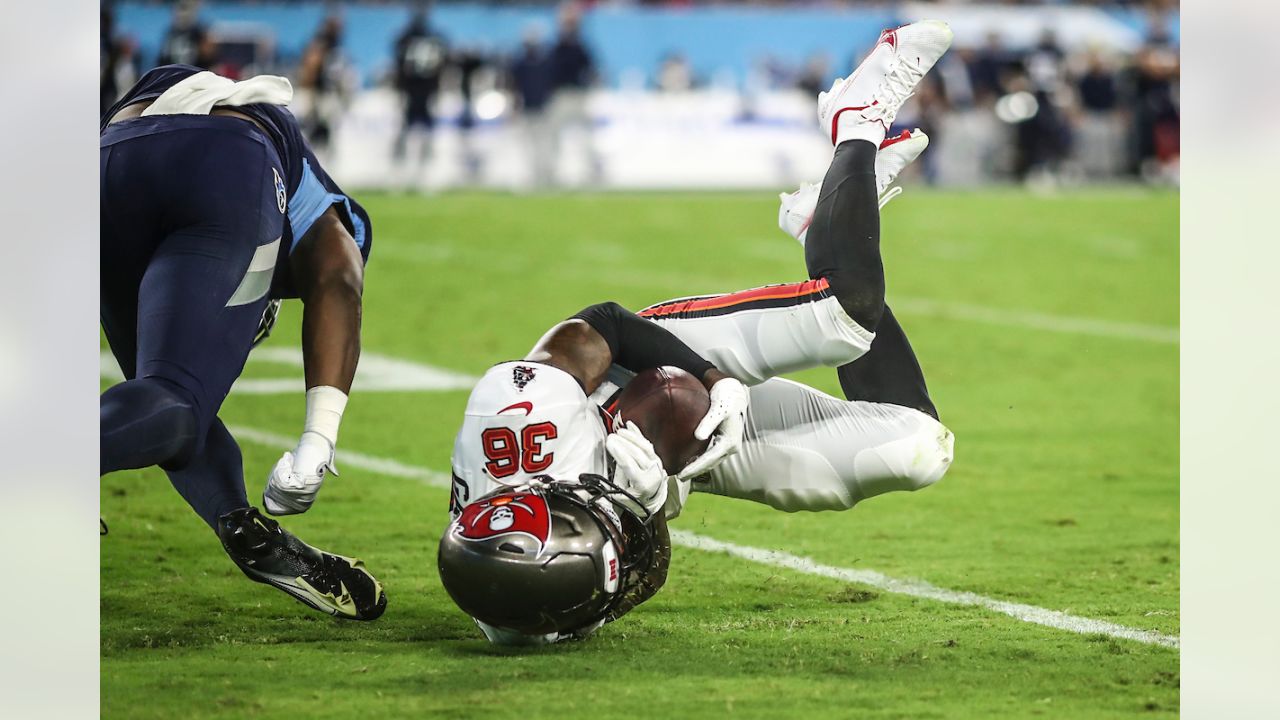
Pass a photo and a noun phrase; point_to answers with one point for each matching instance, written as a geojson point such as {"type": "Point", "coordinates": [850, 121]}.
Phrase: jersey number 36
{"type": "Point", "coordinates": [508, 453]}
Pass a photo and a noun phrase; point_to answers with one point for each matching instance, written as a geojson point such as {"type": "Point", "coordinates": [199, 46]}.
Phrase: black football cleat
{"type": "Point", "coordinates": [269, 554]}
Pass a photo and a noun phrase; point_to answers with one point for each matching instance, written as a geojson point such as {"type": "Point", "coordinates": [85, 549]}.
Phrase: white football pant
{"type": "Point", "coordinates": [804, 449]}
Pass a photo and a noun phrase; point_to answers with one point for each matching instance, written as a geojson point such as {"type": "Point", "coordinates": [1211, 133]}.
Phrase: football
{"type": "Point", "coordinates": [667, 404]}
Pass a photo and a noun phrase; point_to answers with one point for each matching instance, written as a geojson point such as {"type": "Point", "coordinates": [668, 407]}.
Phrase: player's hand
{"type": "Point", "coordinates": [725, 423]}
{"type": "Point", "coordinates": [638, 469]}
{"type": "Point", "coordinates": [298, 475]}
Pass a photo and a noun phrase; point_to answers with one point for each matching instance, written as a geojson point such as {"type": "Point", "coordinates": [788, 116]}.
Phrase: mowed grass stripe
{"type": "Point", "coordinates": [682, 538]}
{"type": "Point", "coordinates": [1028, 320]}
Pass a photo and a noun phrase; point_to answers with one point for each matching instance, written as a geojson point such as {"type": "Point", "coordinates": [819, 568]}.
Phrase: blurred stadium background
{"type": "Point", "coordinates": [419, 96]}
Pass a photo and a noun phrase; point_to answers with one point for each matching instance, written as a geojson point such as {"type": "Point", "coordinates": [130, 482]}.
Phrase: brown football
{"type": "Point", "coordinates": [667, 404]}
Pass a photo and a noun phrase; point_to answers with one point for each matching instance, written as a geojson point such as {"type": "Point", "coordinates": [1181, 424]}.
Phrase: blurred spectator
{"type": "Point", "coordinates": [674, 74]}
{"type": "Point", "coordinates": [815, 75]}
{"type": "Point", "coordinates": [573, 71]}
{"type": "Point", "coordinates": [534, 85]}
{"type": "Point", "coordinates": [1097, 86]}
{"type": "Point", "coordinates": [324, 83]}
{"type": "Point", "coordinates": [421, 54]}
{"type": "Point", "coordinates": [1100, 143]}
{"type": "Point", "coordinates": [117, 61]}
{"type": "Point", "coordinates": [1045, 138]}
{"type": "Point", "coordinates": [188, 41]}
{"type": "Point", "coordinates": [987, 70]}
{"type": "Point", "coordinates": [1156, 120]}
{"type": "Point", "coordinates": [572, 67]}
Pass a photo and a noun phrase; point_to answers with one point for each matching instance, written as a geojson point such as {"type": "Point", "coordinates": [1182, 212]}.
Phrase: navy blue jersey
{"type": "Point", "coordinates": [309, 190]}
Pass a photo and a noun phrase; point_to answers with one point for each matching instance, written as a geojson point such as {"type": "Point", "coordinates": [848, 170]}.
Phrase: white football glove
{"type": "Point", "coordinates": [638, 469]}
{"type": "Point", "coordinates": [298, 475]}
{"type": "Point", "coordinates": [727, 420]}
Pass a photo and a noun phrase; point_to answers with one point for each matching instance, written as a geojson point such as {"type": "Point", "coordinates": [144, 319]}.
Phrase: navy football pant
{"type": "Point", "coordinates": [190, 232]}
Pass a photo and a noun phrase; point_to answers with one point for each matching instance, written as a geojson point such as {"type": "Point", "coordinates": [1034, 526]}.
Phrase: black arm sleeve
{"type": "Point", "coordinates": [638, 344]}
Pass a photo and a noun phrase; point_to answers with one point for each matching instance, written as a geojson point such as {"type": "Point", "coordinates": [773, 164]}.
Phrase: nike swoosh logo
{"type": "Point", "coordinates": [526, 406]}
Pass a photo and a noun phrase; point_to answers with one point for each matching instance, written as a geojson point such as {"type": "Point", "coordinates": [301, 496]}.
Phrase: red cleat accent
{"type": "Point", "coordinates": [904, 135]}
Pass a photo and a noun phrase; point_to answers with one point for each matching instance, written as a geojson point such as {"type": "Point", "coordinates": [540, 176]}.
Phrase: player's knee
{"type": "Point", "coordinates": [916, 460]}
{"type": "Point", "coordinates": [181, 411]}
{"type": "Point", "coordinates": [842, 338]}
{"type": "Point", "coordinates": [149, 418]}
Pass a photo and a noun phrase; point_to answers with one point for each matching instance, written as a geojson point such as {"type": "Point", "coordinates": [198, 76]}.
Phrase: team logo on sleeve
{"type": "Point", "coordinates": [517, 513]}
{"type": "Point", "coordinates": [522, 375]}
{"type": "Point", "coordinates": [280, 191]}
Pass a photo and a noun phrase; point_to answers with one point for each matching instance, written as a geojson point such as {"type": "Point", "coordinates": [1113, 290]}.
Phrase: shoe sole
{"type": "Point", "coordinates": [303, 592]}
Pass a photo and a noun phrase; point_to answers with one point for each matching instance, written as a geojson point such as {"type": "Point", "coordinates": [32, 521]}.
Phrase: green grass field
{"type": "Point", "coordinates": [1045, 327]}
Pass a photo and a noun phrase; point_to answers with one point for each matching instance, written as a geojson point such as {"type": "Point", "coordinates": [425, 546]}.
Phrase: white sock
{"type": "Point", "coordinates": [851, 126]}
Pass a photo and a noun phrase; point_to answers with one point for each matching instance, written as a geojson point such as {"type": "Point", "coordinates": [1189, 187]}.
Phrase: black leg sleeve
{"type": "Point", "coordinates": [843, 245]}
{"type": "Point", "coordinates": [638, 344]}
{"type": "Point", "coordinates": [889, 372]}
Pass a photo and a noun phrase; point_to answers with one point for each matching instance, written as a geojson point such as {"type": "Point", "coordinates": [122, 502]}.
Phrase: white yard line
{"type": "Point", "coordinates": [922, 589]}
{"type": "Point", "coordinates": [778, 559]}
{"type": "Point", "coordinates": [1037, 321]}
{"type": "Point", "coordinates": [376, 373]}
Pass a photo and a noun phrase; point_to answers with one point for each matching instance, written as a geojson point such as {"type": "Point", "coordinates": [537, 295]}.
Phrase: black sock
{"type": "Point", "coordinates": [843, 244]}
{"type": "Point", "coordinates": [889, 372]}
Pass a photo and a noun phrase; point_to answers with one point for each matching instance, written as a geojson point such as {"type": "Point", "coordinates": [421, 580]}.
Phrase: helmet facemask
{"type": "Point", "coordinates": [547, 556]}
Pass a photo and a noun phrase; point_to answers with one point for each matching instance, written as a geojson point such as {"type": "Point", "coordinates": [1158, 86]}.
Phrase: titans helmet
{"type": "Point", "coordinates": [549, 556]}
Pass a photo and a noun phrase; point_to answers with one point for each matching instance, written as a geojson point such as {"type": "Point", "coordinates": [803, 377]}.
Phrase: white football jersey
{"type": "Point", "coordinates": [525, 419]}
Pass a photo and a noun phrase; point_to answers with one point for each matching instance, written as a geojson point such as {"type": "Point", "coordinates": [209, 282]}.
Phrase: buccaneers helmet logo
{"type": "Point", "coordinates": [511, 513]}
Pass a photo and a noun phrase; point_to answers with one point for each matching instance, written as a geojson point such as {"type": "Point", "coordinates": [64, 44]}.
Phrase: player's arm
{"type": "Point", "coordinates": [607, 333]}
{"type": "Point", "coordinates": [329, 274]}
{"type": "Point", "coordinates": [586, 345]}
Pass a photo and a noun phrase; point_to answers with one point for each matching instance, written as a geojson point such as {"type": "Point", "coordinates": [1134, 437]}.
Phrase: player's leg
{"type": "Point", "coordinates": [889, 372]}
{"type": "Point", "coordinates": [142, 423]}
{"type": "Point", "coordinates": [212, 482]}
{"type": "Point", "coordinates": [806, 450]}
{"type": "Point", "coordinates": [831, 319]}
{"type": "Point", "coordinates": [203, 291]}
{"type": "Point", "coordinates": [828, 320]}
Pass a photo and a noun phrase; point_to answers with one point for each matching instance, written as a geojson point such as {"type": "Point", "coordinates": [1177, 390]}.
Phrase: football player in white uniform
{"type": "Point", "coordinates": [780, 443]}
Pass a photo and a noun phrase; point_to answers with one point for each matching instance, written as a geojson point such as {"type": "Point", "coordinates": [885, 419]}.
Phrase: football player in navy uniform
{"type": "Point", "coordinates": [213, 208]}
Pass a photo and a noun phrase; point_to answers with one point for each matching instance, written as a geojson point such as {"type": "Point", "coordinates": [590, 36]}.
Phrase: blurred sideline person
{"type": "Point", "coordinates": [421, 55]}
{"type": "Point", "coordinates": [213, 208]}
{"type": "Point", "coordinates": [117, 61]}
{"type": "Point", "coordinates": [781, 443]}
{"type": "Point", "coordinates": [187, 41]}
{"type": "Point", "coordinates": [533, 85]}
{"type": "Point", "coordinates": [551, 85]}
{"type": "Point", "coordinates": [324, 80]}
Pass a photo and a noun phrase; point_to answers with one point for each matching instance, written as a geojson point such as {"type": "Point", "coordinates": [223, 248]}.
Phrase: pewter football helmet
{"type": "Point", "coordinates": [546, 557]}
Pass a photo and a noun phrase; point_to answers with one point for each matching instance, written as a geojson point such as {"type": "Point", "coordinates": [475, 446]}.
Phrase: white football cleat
{"type": "Point", "coordinates": [796, 213]}
{"type": "Point", "coordinates": [797, 209]}
{"type": "Point", "coordinates": [863, 105]}
{"type": "Point", "coordinates": [895, 154]}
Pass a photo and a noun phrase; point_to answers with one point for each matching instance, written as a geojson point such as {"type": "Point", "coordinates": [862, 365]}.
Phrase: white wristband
{"type": "Point", "coordinates": [325, 405]}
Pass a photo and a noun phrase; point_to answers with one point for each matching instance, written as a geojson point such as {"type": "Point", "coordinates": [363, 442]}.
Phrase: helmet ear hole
{"type": "Point", "coordinates": [511, 548]}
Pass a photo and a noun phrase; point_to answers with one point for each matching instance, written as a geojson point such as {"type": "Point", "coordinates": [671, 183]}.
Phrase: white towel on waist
{"type": "Point", "coordinates": [200, 93]}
